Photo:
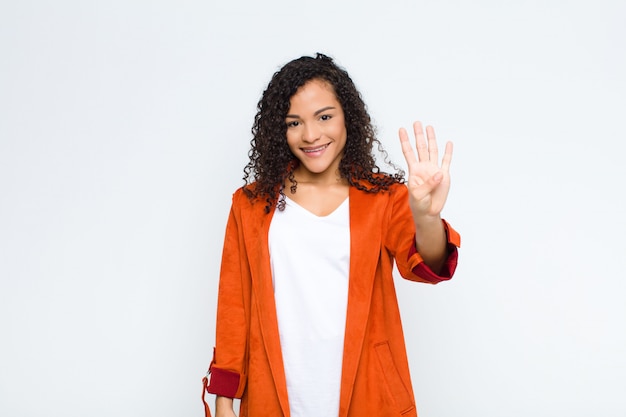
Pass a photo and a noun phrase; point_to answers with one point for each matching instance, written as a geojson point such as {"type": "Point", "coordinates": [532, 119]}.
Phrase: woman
{"type": "Point", "coordinates": [308, 322]}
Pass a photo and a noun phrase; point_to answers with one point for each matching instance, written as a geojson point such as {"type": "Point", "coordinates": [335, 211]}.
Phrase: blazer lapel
{"type": "Point", "coordinates": [365, 240]}
{"type": "Point", "coordinates": [256, 225]}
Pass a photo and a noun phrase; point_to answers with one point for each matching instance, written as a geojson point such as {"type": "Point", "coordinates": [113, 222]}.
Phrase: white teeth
{"type": "Point", "coordinates": [314, 150]}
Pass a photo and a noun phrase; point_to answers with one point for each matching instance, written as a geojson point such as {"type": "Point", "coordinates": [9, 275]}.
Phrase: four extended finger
{"type": "Point", "coordinates": [420, 142]}
{"type": "Point", "coordinates": [407, 149]}
{"type": "Point", "coordinates": [433, 151]}
{"type": "Point", "coordinates": [447, 157]}
{"type": "Point", "coordinates": [426, 146]}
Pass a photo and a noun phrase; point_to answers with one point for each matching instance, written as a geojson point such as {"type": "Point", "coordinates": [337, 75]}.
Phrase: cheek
{"type": "Point", "coordinates": [340, 127]}
{"type": "Point", "coordinates": [339, 131]}
{"type": "Point", "coordinates": [291, 140]}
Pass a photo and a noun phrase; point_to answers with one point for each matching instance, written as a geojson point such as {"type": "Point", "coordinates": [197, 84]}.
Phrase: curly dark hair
{"type": "Point", "coordinates": [272, 162]}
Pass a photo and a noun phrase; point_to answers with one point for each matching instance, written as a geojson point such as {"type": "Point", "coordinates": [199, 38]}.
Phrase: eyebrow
{"type": "Point", "coordinates": [322, 110]}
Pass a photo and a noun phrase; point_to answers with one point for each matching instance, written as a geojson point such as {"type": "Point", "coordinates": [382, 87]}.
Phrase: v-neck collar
{"type": "Point", "coordinates": [337, 209]}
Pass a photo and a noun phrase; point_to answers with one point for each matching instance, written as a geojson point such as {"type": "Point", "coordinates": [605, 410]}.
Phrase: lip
{"type": "Point", "coordinates": [315, 150]}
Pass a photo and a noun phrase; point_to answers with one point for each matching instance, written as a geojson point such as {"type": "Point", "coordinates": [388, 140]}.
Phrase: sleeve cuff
{"type": "Point", "coordinates": [224, 382]}
{"type": "Point", "coordinates": [447, 270]}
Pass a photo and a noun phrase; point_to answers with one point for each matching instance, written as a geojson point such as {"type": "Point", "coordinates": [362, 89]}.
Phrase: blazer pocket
{"type": "Point", "coordinates": [399, 393]}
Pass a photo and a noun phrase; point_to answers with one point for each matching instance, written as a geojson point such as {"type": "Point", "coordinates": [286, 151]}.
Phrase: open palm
{"type": "Point", "coordinates": [428, 182]}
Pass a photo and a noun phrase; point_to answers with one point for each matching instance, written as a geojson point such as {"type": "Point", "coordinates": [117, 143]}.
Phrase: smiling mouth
{"type": "Point", "coordinates": [313, 150]}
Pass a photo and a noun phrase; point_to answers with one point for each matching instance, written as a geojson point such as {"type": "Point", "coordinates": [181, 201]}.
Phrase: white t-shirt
{"type": "Point", "coordinates": [310, 258]}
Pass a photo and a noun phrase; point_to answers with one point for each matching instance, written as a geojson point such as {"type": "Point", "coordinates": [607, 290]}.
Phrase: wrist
{"type": "Point", "coordinates": [427, 221]}
{"type": "Point", "coordinates": [223, 404]}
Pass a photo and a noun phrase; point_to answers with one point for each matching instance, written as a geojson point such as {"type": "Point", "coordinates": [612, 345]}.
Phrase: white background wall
{"type": "Point", "coordinates": [124, 128]}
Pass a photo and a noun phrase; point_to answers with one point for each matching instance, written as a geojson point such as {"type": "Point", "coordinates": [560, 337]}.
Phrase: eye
{"type": "Point", "coordinates": [293, 123]}
{"type": "Point", "coordinates": [325, 117]}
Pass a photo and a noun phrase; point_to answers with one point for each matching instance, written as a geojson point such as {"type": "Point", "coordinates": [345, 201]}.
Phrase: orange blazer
{"type": "Point", "coordinates": [247, 361]}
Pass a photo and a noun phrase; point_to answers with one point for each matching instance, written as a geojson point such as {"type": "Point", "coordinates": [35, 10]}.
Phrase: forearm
{"type": "Point", "coordinates": [224, 407]}
{"type": "Point", "coordinates": [431, 241]}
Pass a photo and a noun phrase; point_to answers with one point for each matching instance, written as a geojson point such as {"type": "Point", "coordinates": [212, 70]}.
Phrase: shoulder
{"type": "Point", "coordinates": [247, 198]}
{"type": "Point", "coordinates": [397, 187]}
{"type": "Point", "coordinates": [396, 195]}
{"type": "Point", "coordinates": [388, 189]}
{"type": "Point", "coordinates": [244, 195]}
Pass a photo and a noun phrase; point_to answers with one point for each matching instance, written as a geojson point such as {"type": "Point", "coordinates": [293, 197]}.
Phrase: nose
{"type": "Point", "coordinates": [311, 133]}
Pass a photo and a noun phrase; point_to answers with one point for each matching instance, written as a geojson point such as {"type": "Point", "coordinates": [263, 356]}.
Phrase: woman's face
{"type": "Point", "coordinates": [316, 132]}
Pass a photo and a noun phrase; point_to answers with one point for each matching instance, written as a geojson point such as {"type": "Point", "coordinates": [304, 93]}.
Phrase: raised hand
{"type": "Point", "coordinates": [428, 182]}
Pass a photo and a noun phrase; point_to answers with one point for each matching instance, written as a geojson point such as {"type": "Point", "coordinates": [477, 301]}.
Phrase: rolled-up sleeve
{"type": "Point", "coordinates": [419, 267]}
{"type": "Point", "coordinates": [226, 383]}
